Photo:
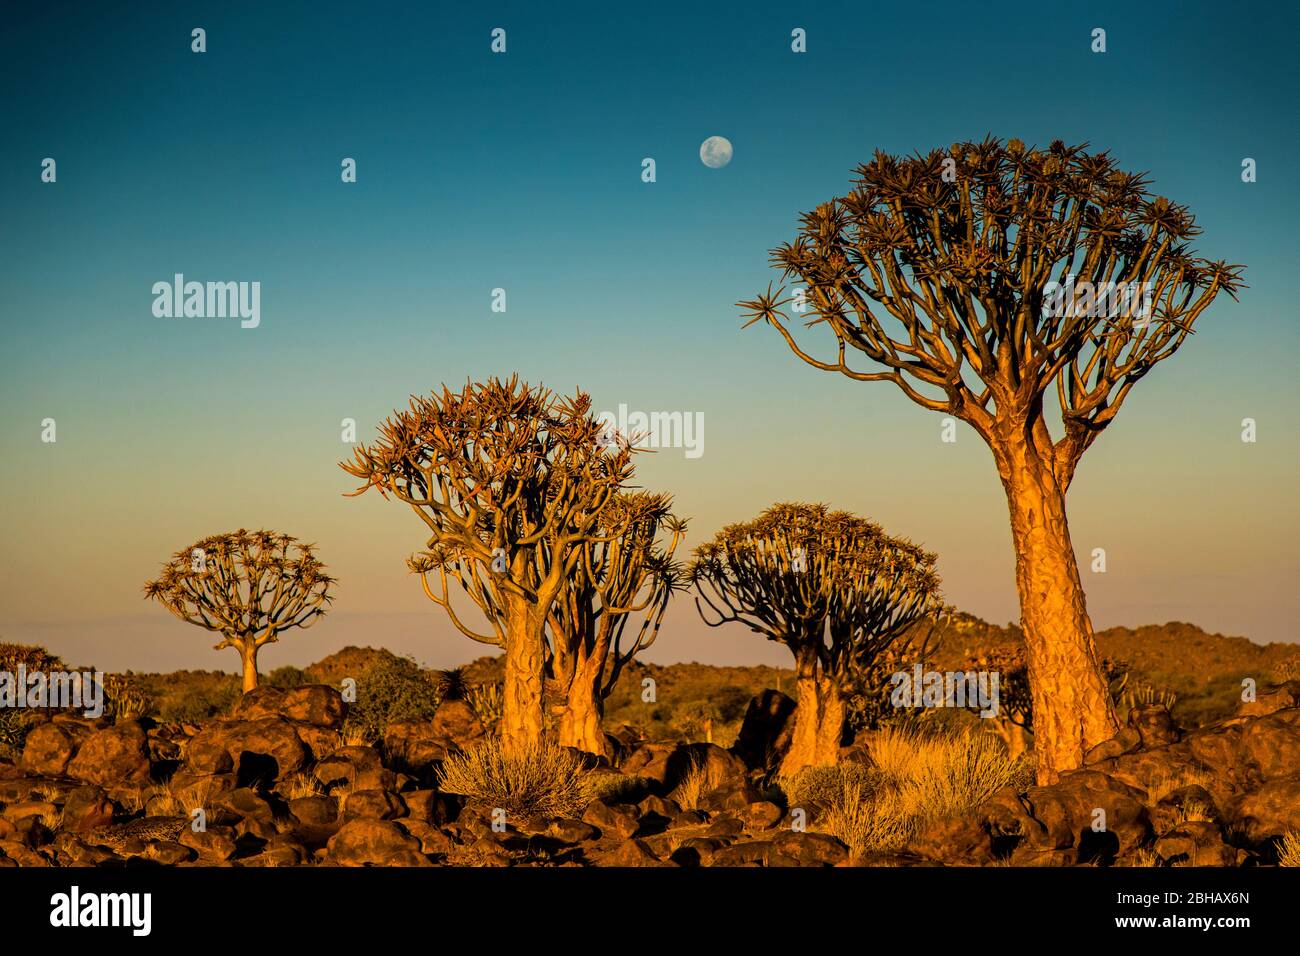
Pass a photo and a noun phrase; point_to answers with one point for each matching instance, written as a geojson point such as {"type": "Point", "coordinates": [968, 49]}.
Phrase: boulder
{"type": "Point", "coordinates": [1271, 700]}
{"type": "Point", "coordinates": [456, 721]}
{"type": "Point", "coordinates": [1270, 811]}
{"type": "Point", "coordinates": [1069, 810]}
{"type": "Point", "coordinates": [214, 843]}
{"type": "Point", "coordinates": [373, 804]}
{"type": "Point", "coordinates": [347, 764]}
{"type": "Point", "coordinates": [765, 730]}
{"type": "Point", "coordinates": [412, 746]}
{"type": "Point", "coordinates": [317, 705]}
{"type": "Point", "coordinates": [612, 820]}
{"type": "Point", "coordinates": [260, 750]}
{"type": "Point", "coordinates": [49, 748]}
{"type": "Point", "coordinates": [1195, 843]}
{"type": "Point", "coordinates": [1155, 725]}
{"type": "Point", "coordinates": [811, 849]}
{"type": "Point", "coordinates": [368, 842]}
{"type": "Point", "coordinates": [114, 756]}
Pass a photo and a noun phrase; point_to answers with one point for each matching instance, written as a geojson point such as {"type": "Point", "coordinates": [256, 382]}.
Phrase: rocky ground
{"type": "Point", "coordinates": [278, 787]}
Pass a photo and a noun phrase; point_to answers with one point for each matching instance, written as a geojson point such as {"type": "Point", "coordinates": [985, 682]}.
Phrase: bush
{"type": "Point", "coordinates": [286, 677]}
{"type": "Point", "coordinates": [14, 725]}
{"type": "Point", "coordinates": [198, 704]}
{"type": "Point", "coordinates": [392, 688]}
{"type": "Point", "coordinates": [124, 699]}
{"type": "Point", "coordinates": [488, 701]}
{"type": "Point", "coordinates": [546, 779]}
{"type": "Point", "coordinates": [31, 656]}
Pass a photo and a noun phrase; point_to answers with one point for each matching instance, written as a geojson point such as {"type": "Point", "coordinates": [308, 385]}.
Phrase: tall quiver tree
{"type": "Point", "coordinates": [248, 586]}
{"type": "Point", "coordinates": [832, 587]}
{"type": "Point", "coordinates": [626, 576]}
{"type": "Point", "coordinates": [988, 282]}
{"type": "Point", "coordinates": [510, 482]}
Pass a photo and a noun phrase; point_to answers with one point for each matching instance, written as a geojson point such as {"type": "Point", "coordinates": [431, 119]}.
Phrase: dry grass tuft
{"type": "Point", "coordinates": [301, 785]}
{"type": "Point", "coordinates": [1288, 849]}
{"type": "Point", "coordinates": [914, 778]}
{"type": "Point", "coordinates": [1165, 784]}
{"type": "Point", "coordinates": [699, 780]}
{"type": "Point", "coordinates": [546, 779]}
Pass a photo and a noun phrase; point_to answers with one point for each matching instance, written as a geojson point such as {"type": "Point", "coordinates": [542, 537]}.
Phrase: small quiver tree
{"type": "Point", "coordinates": [248, 586]}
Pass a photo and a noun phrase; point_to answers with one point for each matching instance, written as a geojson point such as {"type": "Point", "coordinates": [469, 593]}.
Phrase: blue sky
{"type": "Point", "coordinates": [522, 171]}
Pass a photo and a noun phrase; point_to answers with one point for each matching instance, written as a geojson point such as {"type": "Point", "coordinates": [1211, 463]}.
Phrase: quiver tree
{"type": "Point", "coordinates": [832, 587]}
{"type": "Point", "coordinates": [248, 586]}
{"type": "Point", "coordinates": [510, 482]}
{"type": "Point", "coordinates": [626, 575]}
{"type": "Point", "coordinates": [987, 281]}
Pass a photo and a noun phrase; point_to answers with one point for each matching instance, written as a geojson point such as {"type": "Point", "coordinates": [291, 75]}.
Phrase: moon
{"type": "Point", "coordinates": [715, 152]}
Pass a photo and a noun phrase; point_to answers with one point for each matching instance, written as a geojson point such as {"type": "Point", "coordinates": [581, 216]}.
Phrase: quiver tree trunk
{"type": "Point", "coordinates": [248, 656]}
{"type": "Point", "coordinates": [818, 719]}
{"type": "Point", "coordinates": [1072, 708]}
{"type": "Point", "coordinates": [579, 722]}
{"type": "Point", "coordinates": [521, 714]}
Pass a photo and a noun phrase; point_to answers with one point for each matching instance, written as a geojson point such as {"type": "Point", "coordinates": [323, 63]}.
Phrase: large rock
{"type": "Point", "coordinates": [261, 750]}
{"type": "Point", "coordinates": [1273, 743]}
{"type": "Point", "coordinates": [1270, 811]}
{"type": "Point", "coordinates": [412, 746]}
{"type": "Point", "coordinates": [1097, 814]}
{"type": "Point", "coordinates": [1271, 700]}
{"type": "Point", "coordinates": [456, 720]}
{"type": "Point", "coordinates": [709, 762]}
{"type": "Point", "coordinates": [373, 804]}
{"type": "Point", "coordinates": [649, 760]}
{"type": "Point", "coordinates": [317, 705]}
{"type": "Point", "coordinates": [1195, 843]}
{"type": "Point", "coordinates": [49, 749]}
{"type": "Point", "coordinates": [765, 731]}
{"type": "Point", "coordinates": [114, 756]}
{"type": "Point", "coordinates": [369, 842]}
{"type": "Point", "coordinates": [612, 820]}
{"type": "Point", "coordinates": [1155, 725]}
{"type": "Point", "coordinates": [811, 849]}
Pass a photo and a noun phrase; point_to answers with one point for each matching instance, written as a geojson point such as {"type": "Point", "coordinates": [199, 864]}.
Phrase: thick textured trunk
{"type": "Point", "coordinates": [579, 723]}
{"type": "Point", "coordinates": [521, 714]}
{"type": "Point", "coordinates": [818, 719]}
{"type": "Point", "coordinates": [1072, 709]}
{"type": "Point", "coordinates": [248, 654]}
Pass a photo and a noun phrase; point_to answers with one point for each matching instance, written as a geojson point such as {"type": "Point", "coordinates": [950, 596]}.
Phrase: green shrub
{"type": "Point", "coordinates": [197, 704]}
{"type": "Point", "coordinates": [392, 688]}
{"type": "Point", "coordinates": [286, 677]}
